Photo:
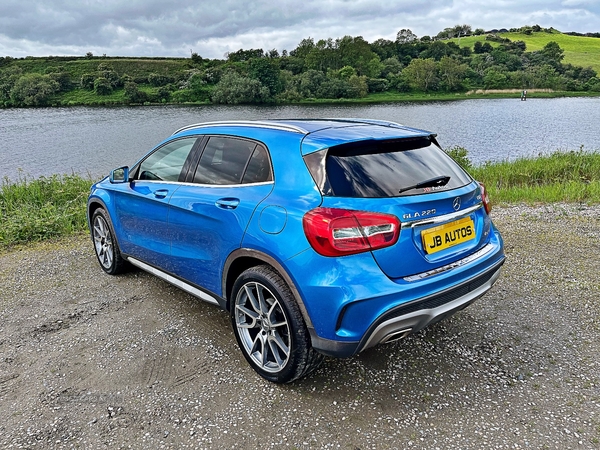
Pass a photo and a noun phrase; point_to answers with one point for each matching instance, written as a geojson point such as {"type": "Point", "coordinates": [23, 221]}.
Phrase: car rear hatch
{"type": "Point", "coordinates": [440, 208]}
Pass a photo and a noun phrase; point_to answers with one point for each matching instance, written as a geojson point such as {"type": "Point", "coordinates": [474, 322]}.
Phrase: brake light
{"type": "Point", "coordinates": [487, 204]}
{"type": "Point", "coordinates": [338, 232]}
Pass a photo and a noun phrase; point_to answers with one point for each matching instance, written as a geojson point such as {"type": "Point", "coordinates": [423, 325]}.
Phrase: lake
{"type": "Point", "coordinates": [45, 141]}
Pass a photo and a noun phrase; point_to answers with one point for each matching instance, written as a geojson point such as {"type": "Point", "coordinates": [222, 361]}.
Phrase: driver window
{"type": "Point", "coordinates": [165, 164]}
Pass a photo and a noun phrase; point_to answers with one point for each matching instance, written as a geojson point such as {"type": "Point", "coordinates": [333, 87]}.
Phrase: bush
{"type": "Point", "coordinates": [133, 93]}
{"type": "Point", "coordinates": [460, 155]}
{"type": "Point", "coordinates": [377, 84]}
{"type": "Point", "coordinates": [33, 89]}
{"type": "Point", "coordinates": [158, 80]}
{"type": "Point", "coordinates": [87, 81]}
{"type": "Point", "coordinates": [102, 86]}
{"type": "Point", "coordinates": [235, 89]}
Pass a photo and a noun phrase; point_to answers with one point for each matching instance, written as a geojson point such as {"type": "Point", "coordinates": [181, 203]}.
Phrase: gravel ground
{"type": "Point", "coordinates": [93, 361]}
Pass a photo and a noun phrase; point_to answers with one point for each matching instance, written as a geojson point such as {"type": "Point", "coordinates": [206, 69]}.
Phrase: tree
{"type": "Point", "coordinates": [421, 74]}
{"type": "Point", "coordinates": [553, 52]}
{"type": "Point", "coordinates": [245, 55]}
{"type": "Point", "coordinates": [267, 72]}
{"type": "Point", "coordinates": [33, 89]}
{"type": "Point", "coordinates": [133, 93]}
{"type": "Point", "coordinates": [87, 81]}
{"type": "Point", "coordinates": [309, 82]}
{"type": "Point", "coordinates": [451, 72]}
{"type": "Point", "coordinates": [235, 89]}
{"type": "Point", "coordinates": [405, 36]}
{"type": "Point", "coordinates": [494, 79]}
{"type": "Point", "coordinates": [102, 86]}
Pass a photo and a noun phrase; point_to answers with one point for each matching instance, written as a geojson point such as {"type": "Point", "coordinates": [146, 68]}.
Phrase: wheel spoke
{"type": "Point", "coordinates": [277, 347]}
{"type": "Point", "coordinates": [253, 301]}
{"type": "Point", "coordinates": [249, 314]}
{"type": "Point", "coordinates": [264, 308]}
{"type": "Point", "coordinates": [273, 322]}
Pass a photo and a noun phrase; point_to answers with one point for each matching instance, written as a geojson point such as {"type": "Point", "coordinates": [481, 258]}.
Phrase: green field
{"type": "Point", "coordinates": [579, 50]}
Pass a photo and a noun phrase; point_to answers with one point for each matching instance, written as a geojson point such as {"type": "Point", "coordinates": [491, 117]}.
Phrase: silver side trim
{"type": "Point", "coordinates": [247, 123]}
{"type": "Point", "coordinates": [444, 218]}
{"type": "Point", "coordinates": [174, 281]}
{"type": "Point", "coordinates": [204, 185]}
{"type": "Point", "coordinates": [461, 262]}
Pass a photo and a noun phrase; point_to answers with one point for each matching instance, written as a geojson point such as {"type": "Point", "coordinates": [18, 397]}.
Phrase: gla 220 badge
{"type": "Point", "coordinates": [417, 214]}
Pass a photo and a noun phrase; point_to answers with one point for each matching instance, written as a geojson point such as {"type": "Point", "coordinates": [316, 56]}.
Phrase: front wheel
{"type": "Point", "coordinates": [105, 244]}
{"type": "Point", "coordinates": [269, 327]}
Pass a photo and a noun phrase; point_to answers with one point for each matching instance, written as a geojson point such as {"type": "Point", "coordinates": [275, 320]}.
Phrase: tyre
{"type": "Point", "coordinates": [269, 327]}
{"type": "Point", "coordinates": [105, 244]}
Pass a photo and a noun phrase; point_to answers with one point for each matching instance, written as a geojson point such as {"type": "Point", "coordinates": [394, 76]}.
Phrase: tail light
{"type": "Point", "coordinates": [486, 199]}
{"type": "Point", "coordinates": [338, 232]}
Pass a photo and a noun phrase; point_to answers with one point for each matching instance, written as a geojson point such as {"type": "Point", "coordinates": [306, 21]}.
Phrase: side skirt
{"type": "Point", "coordinates": [190, 289]}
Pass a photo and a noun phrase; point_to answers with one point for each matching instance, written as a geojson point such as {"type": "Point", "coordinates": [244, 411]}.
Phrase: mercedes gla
{"type": "Point", "coordinates": [319, 237]}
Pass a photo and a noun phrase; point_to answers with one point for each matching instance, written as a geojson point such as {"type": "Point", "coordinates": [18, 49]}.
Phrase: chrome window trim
{"type": "Point", "coordinates": [444, 218]}
{"type": "Point", "coordinates": [187, 183]}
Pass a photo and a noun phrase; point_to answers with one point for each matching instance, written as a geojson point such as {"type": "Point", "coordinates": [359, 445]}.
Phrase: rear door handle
{"type": "Point", "coordinates": [227, 203]}
{"type": "Point", "coordinates": [161, 193]}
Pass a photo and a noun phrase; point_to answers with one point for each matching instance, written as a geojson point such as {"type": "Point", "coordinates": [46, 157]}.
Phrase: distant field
{"type": "Point", "coordinates": [579, 50]}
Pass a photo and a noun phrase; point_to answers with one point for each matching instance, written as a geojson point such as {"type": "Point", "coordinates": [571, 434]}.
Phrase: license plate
{"type": "Point", "coordinates": [447, 235]}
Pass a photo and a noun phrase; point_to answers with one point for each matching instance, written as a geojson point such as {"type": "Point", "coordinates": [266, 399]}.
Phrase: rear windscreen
{"type": "Point", "coordinates": [390, 169]}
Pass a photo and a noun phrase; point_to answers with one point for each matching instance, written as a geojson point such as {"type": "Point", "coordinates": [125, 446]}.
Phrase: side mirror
{"type": "Point", "coordinates": [120, 175]}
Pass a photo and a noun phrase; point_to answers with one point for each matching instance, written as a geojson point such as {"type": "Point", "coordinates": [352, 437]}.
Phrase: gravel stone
{"type": "Point", "coordinates": [93, 361]}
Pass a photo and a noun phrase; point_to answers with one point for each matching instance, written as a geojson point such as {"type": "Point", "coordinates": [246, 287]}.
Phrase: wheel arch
{"type": "Point", "coordinates": [92, 206]}
{"type": "Point", "coordinates": [243, 259]}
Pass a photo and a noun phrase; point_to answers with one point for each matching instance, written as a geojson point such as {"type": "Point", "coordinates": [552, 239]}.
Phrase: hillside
{"type": "Point", "coordinates": [579, 50]}
{"type": "Point", "coordinates": [344, 69]}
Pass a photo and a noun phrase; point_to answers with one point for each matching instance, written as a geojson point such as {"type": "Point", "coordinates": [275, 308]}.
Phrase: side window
{"type": "Point", "coordinates": [165, 164]}
{"type": "Point", "coordinates": [225, 159]}
{"type": "Point", "coordinates": [259, 167]}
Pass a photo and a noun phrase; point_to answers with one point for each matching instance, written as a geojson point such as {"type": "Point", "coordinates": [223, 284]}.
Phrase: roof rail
{"type": "Point", "coordinates": [247, 123]}
{"type": "Point", "coordinates": [385, 123]}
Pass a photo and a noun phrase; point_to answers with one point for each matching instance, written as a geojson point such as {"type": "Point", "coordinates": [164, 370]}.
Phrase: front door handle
{"type": "Point", "coordinates": [161, 193]}
{"type": "Point", "coordinates": [227, 203]}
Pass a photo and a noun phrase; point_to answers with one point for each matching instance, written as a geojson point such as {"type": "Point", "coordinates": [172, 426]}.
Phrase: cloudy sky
{"type": "Point", "coordinates": [212, 28]}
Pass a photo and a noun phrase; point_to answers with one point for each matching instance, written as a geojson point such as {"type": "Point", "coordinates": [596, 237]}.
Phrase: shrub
{"type": "Point", "coordinates": [460, 155]}
{"type": "Point", "coordinates": [102, 86]}
{"type": "Point", "coordinates": [33, 89]}
{"type": "Point", "coordinates": [87, 81]}
{"type": "Point", "coordinates": [235, 89]}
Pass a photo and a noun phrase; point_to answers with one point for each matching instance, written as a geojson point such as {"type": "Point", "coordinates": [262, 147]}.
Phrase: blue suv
{"type": "Point", "coordinates": [319, 237]}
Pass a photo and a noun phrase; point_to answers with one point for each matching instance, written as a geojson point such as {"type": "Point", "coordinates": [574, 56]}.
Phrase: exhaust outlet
{"type": "Point", "coordinates": [395, 336]}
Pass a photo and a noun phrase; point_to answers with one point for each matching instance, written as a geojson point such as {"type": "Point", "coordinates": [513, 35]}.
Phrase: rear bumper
{"type": "Point", "coordinates": [413, 316]}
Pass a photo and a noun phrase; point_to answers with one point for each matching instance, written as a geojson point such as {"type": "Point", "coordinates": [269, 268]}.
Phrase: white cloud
{"type": "Point", "coordinates": [158, 28]}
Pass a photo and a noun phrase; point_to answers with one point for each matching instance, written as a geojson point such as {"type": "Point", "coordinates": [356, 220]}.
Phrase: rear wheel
{"type": "Point", "coordinates": [269, 327]}
{"type": "Point", "coordinates": [105, 244]}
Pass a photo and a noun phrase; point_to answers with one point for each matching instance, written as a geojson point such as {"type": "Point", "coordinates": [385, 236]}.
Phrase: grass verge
{"type": "Point", "coordinates": [51, 207]}
{"type": "Point", "coordinates": [569, 177]}
{"type": "Point", "coordinates": [42, 208]}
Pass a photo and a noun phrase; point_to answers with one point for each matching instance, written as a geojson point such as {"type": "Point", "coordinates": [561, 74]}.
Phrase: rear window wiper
{"type": "Point", "coordinates": [432, 182]}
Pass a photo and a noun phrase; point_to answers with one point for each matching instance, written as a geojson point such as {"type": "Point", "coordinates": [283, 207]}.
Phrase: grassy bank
{"type": "Point", "coordinates": [49, 207]}
{"type": "Point", "coordinates": [43, 208]}
{"type": "Point", "coordinates": [571, 177]}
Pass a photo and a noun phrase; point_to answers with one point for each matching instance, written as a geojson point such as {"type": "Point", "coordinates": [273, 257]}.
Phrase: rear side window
{"type": "Point", "coordinates": [227, 161]}
{"type": "Point", "coordinates": [389, 169]}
